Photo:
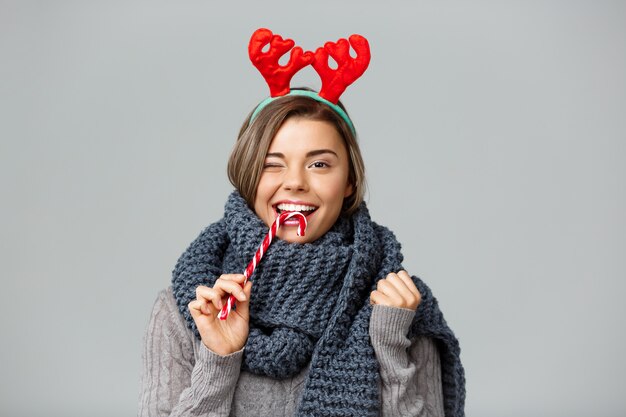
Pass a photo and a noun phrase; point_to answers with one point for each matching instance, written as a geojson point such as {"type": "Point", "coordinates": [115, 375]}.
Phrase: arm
{"type": "Point", "coordinates": [410, 371]}
{"type": "Point", "coordinates": [182, 377]}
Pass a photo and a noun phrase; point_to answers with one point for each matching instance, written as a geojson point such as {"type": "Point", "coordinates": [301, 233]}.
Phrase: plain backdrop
{"type": "Point", "coordinates": [494, 136]}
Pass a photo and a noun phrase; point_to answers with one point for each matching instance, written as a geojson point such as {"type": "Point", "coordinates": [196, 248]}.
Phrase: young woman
{"type": "Point", "coordinates": [329, 324]}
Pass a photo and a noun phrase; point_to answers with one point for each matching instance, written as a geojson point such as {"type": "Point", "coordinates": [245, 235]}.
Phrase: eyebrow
{"type": "Point", "coordinates": [308, 154]}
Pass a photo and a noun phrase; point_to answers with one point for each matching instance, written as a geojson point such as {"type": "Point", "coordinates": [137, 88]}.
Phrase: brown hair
{"type": "Point", "coordinates": [246, 161]}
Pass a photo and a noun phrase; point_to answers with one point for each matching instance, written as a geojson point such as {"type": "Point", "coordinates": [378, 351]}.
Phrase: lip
{"type": "Point", "coordinates": [300, 202]}
{"type": "Point", "coordinates": [291, 222]}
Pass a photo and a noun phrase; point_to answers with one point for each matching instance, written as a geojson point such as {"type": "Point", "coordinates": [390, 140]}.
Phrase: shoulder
{"type": "Point", "coordinates": [166, 320]}
{"type": "Point", "coordinates": [165, 301]}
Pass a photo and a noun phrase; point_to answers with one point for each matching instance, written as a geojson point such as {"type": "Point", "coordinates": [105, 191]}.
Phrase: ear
{"type": "Point", "coordinates": [348, 191]}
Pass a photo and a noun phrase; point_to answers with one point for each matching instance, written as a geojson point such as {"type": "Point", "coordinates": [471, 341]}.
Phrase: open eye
{"type": "Point", "coordinates": [319, 164]}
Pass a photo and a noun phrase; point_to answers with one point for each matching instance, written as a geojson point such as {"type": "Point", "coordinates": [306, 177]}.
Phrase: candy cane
{"type": "Point", "coordinates": [223, 314]}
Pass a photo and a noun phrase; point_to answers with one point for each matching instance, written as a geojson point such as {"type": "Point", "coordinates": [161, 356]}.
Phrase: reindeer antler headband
{"type": "Point", "coordinates": [334, 81]}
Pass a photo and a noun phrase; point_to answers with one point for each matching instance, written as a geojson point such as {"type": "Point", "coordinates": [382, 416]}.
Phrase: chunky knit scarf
{"type": "Point", "coordinates": [310, 304]}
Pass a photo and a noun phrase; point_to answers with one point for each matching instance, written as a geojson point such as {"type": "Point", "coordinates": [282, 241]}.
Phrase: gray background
{"type": "Point", "coordinates": [494, 139]}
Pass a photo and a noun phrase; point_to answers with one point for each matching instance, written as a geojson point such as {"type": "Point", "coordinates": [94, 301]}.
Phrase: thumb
{"type": "Point", "coordinates": [243, 307]}
{"type": "Point", "coordinates": [194, 308]}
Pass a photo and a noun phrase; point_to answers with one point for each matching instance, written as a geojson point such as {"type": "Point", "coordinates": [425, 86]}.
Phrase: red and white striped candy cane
{"type": "Point", "coordinates": [261, 251]}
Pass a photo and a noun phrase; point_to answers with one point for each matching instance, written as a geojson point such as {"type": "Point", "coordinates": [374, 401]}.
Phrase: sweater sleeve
{"type": "Point", "coordinates": [181, 377]}
{"type": "Point", "coordinates": [410, 371]}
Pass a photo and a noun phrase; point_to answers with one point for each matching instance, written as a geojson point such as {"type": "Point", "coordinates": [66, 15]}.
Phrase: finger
{"type": "Point", "coordinates": [230, 287]}
{"type": "Point", "coordinates": [391, 292]}
{"type": "Point", "coordinates": [409, 291]}
{"type": "Point", "coordinates": [212, 296]}
{"type": "Point", "coordinates": [199, 308]}
{"type": "Point", "coordinates": [240, 278]}
{"type": "Point", "coordinates": [243, 307]}
{"type": "Point", "coordinates": [401, 287]}
{"type": "Point", "coordinates": [404, 276]}
{"type": "Point", "coordinates": [194, 308]}
{"type": "Point", "coordinates": [377, 297]}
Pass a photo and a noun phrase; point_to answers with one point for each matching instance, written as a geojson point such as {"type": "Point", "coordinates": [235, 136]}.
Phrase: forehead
{"type": "Point", "coordinates": [304, 134]}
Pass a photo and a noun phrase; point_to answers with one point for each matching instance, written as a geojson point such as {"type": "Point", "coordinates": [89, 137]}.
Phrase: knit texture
{"type": "Point", "coordinates": [310, 303]}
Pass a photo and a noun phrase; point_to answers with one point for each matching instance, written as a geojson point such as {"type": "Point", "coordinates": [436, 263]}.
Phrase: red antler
{"type": "Point", "coordinates": [335, 82]}
{"type": "Point", "coordinates": [276, 76]}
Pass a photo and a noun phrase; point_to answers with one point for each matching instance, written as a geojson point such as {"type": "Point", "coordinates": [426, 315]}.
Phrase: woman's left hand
{"type": "Point", "coordinates": [397, 290]}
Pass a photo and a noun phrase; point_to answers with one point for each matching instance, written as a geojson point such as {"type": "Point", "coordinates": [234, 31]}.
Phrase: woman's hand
{"type": "Point", "coordinates": [397, 290]}
{"type": "Point", "coordinates": [222, 336]}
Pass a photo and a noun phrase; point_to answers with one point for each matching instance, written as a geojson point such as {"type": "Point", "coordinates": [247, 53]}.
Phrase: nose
{"type": "Point", "coordinates": [295, 180]}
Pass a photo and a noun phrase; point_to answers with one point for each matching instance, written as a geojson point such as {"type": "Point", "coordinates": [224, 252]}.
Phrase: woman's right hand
{"type": "Point", "coordinates": [222, 336]}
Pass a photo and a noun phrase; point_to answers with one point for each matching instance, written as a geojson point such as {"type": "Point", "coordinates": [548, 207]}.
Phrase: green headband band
{"type": "Point", "coordinates": [312, 95]}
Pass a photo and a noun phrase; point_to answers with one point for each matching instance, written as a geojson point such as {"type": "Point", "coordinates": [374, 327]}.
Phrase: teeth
{"type": "Point", "coordinates": [295, 207]}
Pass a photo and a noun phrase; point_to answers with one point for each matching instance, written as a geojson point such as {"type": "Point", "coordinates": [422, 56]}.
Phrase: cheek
{"type": "Point", "coordinates": [266, 187]}
{"type": "Point", "coordinates": [265, 191]}
{"type": "Point", "coordinates": [334, 191]}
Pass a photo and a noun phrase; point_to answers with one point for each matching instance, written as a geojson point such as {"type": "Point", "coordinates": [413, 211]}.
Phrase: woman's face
{"type": "Point", "coordinates": [306, 170]}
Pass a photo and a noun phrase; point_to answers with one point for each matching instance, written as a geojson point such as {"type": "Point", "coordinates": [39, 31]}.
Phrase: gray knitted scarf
{"type": "Point", "coordinates": [310, 304]}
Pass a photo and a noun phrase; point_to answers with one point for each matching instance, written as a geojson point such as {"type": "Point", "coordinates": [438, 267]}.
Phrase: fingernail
{"type": "Point", "coordinates": [242, 297]}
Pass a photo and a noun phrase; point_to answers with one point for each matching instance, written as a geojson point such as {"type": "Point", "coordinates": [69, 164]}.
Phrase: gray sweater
{"type": "Point", "coordinates": [181, 377]}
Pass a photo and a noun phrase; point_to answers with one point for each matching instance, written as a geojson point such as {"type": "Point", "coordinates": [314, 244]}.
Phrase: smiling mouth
{"type": "Point", "coordinates": [300, 208]}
